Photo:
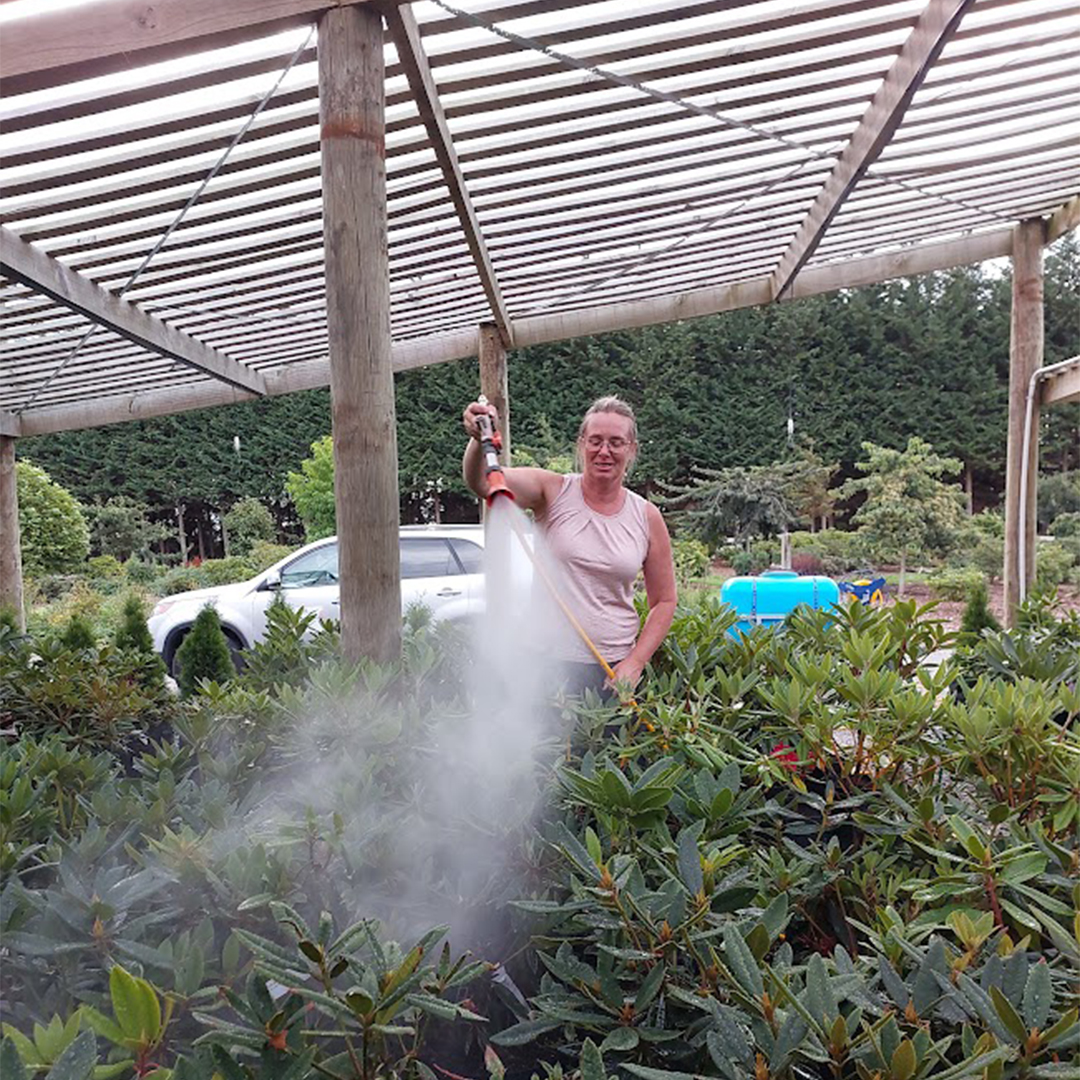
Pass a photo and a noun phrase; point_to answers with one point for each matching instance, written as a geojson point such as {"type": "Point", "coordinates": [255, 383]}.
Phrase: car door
{"type": "Point", "coordinates": [309, 582]}
{"type": "Point", "coordinates": [471, 557]}
{"type": "Point", "coordinates": [431, 574]}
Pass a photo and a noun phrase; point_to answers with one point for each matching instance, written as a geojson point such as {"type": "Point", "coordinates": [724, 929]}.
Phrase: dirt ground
{"type": "Point", "coordinates": [951, 611]}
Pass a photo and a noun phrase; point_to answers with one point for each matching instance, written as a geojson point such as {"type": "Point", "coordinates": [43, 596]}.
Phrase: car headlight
{"type": "Point", "coordinates": [161, 607]}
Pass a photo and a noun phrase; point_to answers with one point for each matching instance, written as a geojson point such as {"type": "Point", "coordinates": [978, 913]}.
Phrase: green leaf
{"type": "Point", "coordinates": [620, 1040]}
{"type": "Point", "coordinates": [103, 1025]}
{"type": "Point", "coordinates": [649, 988]}
{"type": "Point", "coordinates": [226, 1064]}
{"type": "Point", "coordinates": [11, 1064]}
{"type": "Point", "coordinates": [1055, 1031]}
{"type": "Point", "coordinates": [926, 990]}
{"type": "Point", "coordinates": [775, 915]}
{"type": "Point", "coordinates": [902, 1065]}
{"type": "Point", "coordinates": [592, 1062]}
{"type": "Point", "coordinates": [647, 1073]}
{"type": "Point", "coordinates": [741, 963]}
{"type": "Point", "coordinates": [1009, 1016]}
{"type": "Point", "coordinates": [524, 1032]}
{"type": "Point", "coordinates": [1023, 867]}
{"type": "Point", "coordinates": [690, 858]}
{"type": "Point", "coordinates": [1038, 996]}
{"type": "Point", "coordinates": [23, 1046]}
{"type": "Point", "coordinates": [758, 941]}
{"type": "Point", "coordinates": [592, 845]}
{"type": "Point", "coordinates": [820, 1000]}
{"type": "Point", "coordinates": [130, 1006]}
{"type": "Point", "coordinates": [77, 1061]}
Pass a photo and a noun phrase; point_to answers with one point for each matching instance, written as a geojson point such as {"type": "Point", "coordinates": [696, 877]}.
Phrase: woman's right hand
{"type": "Point", "coordinates": [472, 411]}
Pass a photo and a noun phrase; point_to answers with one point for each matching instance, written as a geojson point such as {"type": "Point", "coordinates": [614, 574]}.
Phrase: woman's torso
{"type": "Point", "coordinates": [598, 558]}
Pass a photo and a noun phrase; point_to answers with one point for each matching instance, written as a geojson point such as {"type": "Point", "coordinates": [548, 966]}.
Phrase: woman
{"type": "Point", "coordinates": [602, 535]}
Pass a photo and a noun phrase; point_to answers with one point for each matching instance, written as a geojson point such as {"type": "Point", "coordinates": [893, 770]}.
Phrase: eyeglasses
{"type": "Point", "coordinates": [615, 445]}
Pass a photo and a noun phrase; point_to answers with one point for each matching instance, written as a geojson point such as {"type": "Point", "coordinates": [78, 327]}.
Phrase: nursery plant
{"type": "Point", "coordinates": [799, 853]}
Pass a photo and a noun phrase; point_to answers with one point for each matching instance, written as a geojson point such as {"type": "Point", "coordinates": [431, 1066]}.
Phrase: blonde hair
{"type": "Point", "coordinates": [608, 404]}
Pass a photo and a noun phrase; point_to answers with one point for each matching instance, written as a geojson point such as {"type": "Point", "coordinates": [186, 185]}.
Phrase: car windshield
{"type": "Point", "coordinates": [318, 567]}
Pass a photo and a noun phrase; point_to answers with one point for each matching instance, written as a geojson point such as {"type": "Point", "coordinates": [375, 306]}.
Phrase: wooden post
{"type": "Point", "coordinates": [11, 583]}
{"type": "Point", "coordinates": [493, 381]}
{"type": "Point", "coordinates": [1025, 358]}
{"type": "Point", "coordinates": [352, 120]}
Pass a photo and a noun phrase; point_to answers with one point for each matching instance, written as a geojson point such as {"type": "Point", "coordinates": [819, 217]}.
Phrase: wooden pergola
{"type": "Point", "coordinates": [204, 203]}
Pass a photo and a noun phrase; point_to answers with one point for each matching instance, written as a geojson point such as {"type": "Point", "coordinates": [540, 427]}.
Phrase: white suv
{"type": "Point", "coordinates": [441, 568]}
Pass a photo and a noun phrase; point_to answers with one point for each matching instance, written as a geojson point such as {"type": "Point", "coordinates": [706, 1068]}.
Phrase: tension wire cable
{"type": "Point", "coordinates": [606, 75]}
{"type": "Point", "coordinates": [181, 214]}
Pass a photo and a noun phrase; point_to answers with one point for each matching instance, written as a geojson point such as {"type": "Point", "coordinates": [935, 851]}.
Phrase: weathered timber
{"type": "Point", "coordinates": [352, 116]}
{"type": "Point", "coordinates": [932, 30]}
{"type": "Point", "coordinates": [1063, 386]}
{"type": "Point", "coordinates": [1025, 359]}
{"type": "Point", "coordinates": [23, 262]}
{"type": "Point", "coordinates": [11, 584]}
{"type": "Point", "coordinates": [493, 381]}
{"type": "Point", "coordinates": [406, 35]}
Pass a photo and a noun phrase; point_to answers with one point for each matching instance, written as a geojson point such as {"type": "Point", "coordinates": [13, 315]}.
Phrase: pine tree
{"type": "Point", "coordinates": [204, 653]}
{"type": "Point", "coordinates": [133, 634]}
{"type": "Point", "coordinates": [977, 614]}
{"type": "Point", "coordinates": [78, 635]}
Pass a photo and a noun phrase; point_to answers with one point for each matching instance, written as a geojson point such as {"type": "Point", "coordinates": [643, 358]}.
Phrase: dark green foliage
{"type": "Point", "coordinates": [204, 653]}
{"type": "Point", "coordinates": [78, 634]}
{"type": "Point", "coordinates": [9, 618]}
{"type": "Point", "coordinates": [134, 635]}
{"type": "Point", "coordinates": [977, 614]}
{"type": "Point", "coordinates": [926, 355]}
{"type": "Point", "coordinates": [803, 847]}
{"type": "Point", "coordinates": [95, 695]}
{"type": "Point", "coordinates": [286, 654]}
{"type": "Point", "coordinates": [247, 522]}
{"type": "Point", "coordinates": [120, 527]}
{"type": "Point", "coordinates": [1066, 525]}
{"type": "Point", "coordinates": [52, 528]}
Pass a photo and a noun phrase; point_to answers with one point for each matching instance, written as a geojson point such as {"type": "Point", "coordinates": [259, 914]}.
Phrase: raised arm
{"type": "Point", "coordinates": [533, 489]}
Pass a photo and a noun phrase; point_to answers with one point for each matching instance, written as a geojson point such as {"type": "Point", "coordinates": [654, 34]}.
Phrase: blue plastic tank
{"type": "Point", "coordinates": [769, 599]}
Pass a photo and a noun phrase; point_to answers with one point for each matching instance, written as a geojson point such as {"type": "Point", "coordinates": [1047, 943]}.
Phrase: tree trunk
{"type": "Point", "coordinates": [969, 488]}
{"type": "Point", "coordinates": [11, 578]}
{"type": "Point", "coordinates": [903, 570]}
{"type": "Point", "coordinates": [182, 535]}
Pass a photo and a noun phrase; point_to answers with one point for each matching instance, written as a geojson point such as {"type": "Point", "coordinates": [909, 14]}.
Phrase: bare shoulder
{"type": "Point", "coordinates": [657, 524]}
{"type": "Point", "coordinates": [535, 489]}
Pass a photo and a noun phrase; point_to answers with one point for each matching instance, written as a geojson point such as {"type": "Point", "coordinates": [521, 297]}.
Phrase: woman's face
{"type": "Point", "coordinates": [607, 447]}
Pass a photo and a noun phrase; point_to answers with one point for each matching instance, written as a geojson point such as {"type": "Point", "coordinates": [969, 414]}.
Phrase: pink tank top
{"type": "Point", "coordinates": [599, 557]}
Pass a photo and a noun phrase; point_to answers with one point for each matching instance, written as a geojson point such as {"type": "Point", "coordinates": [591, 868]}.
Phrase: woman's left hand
{"type": "Point", "coordinates": [628, 672]}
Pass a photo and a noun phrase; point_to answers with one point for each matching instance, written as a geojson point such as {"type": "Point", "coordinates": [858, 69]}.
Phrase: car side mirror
{"type": "Point", "coordinates": [271, 583]}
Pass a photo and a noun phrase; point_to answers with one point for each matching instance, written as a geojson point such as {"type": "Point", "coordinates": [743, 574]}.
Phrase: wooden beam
{"type": "Point", "coordinates": [352, 123]}
{"type": "Point", "coordinates": [1022, 452]}
{"type": "Point", "coordinates": [406, 34]}
{"type": "Point", "coordinates": [932, 30]}
{"type": "Point", "coordinates": [494, 384]}
{"type": "Point", "coordinates": [10, 426]}
{"type": "Point", "coordinates": [535, 330]}
{"type": "Point", "coordinates": [23, 262]}
{"type": "Point", "coordinates": [1063, 220]}
{"type": "Point", "coordinates": [11, 583]}
{"type": "Point", "coordinates": [1063, 386]}
{"type": "Point", "coordinates": [111, 35]}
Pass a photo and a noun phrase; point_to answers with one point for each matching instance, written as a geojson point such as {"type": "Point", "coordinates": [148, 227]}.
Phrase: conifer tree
{"type": "Point", "coordinates": [134, 634]}
{"type": "Point", "coordinates": [78, 634]}
{"type": "Point", "coordinates": [204, 653]}
{"type": "Point", "coordinates": [977, 614]}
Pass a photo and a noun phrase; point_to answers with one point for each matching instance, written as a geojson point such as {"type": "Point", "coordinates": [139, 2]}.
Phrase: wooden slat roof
{"type": "Point", "coordinates": [572, 167]}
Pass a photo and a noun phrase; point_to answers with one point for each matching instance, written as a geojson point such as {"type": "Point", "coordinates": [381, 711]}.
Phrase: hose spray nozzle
{"type": "Point", "coordinates": [490, 446]}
